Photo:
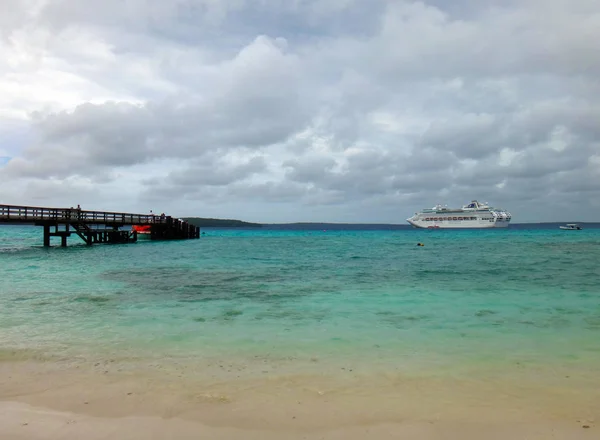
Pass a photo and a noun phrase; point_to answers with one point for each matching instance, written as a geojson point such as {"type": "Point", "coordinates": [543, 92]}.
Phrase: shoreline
{"type": "Point", "coordinates": [75, 399]}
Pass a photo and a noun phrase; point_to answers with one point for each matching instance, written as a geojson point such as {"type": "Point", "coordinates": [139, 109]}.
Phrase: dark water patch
{"type": "Point", "coordinates": [228, 315]}
{"type": "Point", "coordinates": [287, 315]}
{"type": "Point", "coordinates": [199, 299]}
{"type": "Point", "coordinates": [262, 278]}
{"type": "Point", "coordinates": [193, 287]}
{"type": "Point", "coordinates": [368, 277]}
{"type": "Point", "coordinates": [485, 312]}
{"type": "Point", "coordinates": [400, 320]}
{"type": "Point", "coordinates": [199, 319]}
{"type": "Point", "coordinates": [592, 322]}
{"type": "Point", "coordinates": [567, 311]}
{"type": "Point", "coordinates": [292, 315]}
{"type": "Point", "coordinates": [153, 278]}
{"type": "Point", "coordinates": [92, 299]}
{"type": "Point", "coordinates": [577, 246]}
{"type": "Point", "coordinates": [557, 322]}
{"type": "Point", "coordinates": [190, 285]}
{"type": "Point", "coordinates": [278, 296]}
{"type": "Point", "coordinates": [258, 293]}
{"type": "Point", "coordinates": [38, 297]}
{"type": "Point", "coordinates": [554, 322]}
{"type": "Point", "coordinates": [432, 272]}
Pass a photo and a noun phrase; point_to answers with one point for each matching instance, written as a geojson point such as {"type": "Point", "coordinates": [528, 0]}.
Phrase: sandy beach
{"type": "Point", "coordinates": [20, 421]}
{"type": "Point", "coordinates": [41, 400]}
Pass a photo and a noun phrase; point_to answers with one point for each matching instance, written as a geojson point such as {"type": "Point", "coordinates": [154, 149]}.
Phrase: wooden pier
{"type": "Point", "coordinates": [96, 226]}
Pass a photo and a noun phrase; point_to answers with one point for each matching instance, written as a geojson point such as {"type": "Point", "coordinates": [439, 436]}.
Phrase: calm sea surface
{"type": "Point", "coordinates": [468, 301]}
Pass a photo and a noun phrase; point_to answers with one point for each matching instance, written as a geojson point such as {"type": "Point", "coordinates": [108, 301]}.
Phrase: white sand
{"type": "Point", "coordinates": [50, 401]}
{"type": "Point", "coordinates": [23, 422]}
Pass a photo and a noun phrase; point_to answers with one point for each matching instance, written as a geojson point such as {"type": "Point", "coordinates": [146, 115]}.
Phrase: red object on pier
{"type": "Point", "coordinates": [141, 229]}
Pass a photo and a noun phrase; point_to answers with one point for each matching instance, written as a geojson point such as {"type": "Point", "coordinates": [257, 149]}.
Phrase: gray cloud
{"type": "Point", "coordinates": [257, 103]}
{"type": "Point", "coordinates": [271, 110]}
{"type": "Point", "coordinates": [216, 173]}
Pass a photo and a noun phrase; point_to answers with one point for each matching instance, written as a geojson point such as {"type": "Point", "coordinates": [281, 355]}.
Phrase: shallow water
{"type": "Point", "coordinates": [468, 302]}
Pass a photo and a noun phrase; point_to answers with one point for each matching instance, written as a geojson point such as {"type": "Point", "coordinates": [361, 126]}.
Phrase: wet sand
{"type": "Point", "coordinates": [43, 400]}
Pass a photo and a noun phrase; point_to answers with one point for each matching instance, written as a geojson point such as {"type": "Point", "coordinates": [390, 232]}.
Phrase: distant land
{"type": "Point", "coordinates": [220, 223]}
{"type": "Point", "coordinates": [312, 226]}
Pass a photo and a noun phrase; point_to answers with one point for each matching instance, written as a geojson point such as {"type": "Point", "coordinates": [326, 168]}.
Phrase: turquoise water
{"type": "Point", "coordinates": [467, 300]}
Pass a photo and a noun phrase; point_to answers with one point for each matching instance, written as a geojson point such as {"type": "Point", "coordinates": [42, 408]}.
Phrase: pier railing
{"type": "Point", "coordinates": [34, 214]}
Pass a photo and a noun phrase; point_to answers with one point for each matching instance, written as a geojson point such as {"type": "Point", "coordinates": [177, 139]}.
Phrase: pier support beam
{"type": "Point", "coordinates": [63, 237]}
{"type": "Point", "coordinates": [46, 235]}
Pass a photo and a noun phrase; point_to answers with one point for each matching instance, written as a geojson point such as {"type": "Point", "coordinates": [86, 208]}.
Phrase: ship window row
{"type": "Point", "coordinates": [439, 219]}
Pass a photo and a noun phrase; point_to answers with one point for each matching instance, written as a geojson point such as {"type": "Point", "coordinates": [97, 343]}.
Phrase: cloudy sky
{"type": "Point", "coordinates": [302, 110]}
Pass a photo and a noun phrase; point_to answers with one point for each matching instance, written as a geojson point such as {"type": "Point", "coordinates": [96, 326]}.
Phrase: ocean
{"type": "Point", "coordinates": [520, 305]}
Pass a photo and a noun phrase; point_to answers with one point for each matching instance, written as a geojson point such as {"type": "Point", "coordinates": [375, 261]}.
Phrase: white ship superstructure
{"type": "Point", "coordinates": [473, 215]}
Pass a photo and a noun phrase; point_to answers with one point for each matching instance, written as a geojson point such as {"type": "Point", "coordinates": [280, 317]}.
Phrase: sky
{"type": "Point", "coordinates": [302, 110]}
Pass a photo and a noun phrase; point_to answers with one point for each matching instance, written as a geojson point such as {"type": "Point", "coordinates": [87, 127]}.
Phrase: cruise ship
{"type": "Point", "coordinates": [475, 215]}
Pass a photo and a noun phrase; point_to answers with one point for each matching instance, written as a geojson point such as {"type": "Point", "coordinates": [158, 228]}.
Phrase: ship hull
{"type": "Point", "coordinates": [475, 215]}
{"type": "Point", "coordinates": [464, 224]}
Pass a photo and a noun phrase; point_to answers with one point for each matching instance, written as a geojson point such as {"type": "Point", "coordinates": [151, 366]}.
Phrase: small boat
{"type": "Point", "coordinates": [571, 227]}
